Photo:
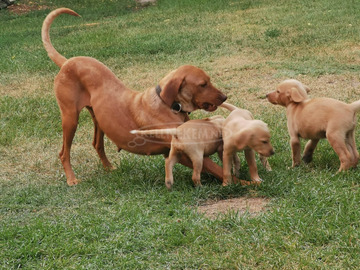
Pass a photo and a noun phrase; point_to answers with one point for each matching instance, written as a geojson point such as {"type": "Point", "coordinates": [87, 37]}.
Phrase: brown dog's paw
{"type": "Point", "coordinates": [73, 182]}
{"type": "Point", "coordinates": [110, 168]}
{"type": "Point", "coordinates": [169, 184]}
{"type": "Point", "coordinates": [197, 183]}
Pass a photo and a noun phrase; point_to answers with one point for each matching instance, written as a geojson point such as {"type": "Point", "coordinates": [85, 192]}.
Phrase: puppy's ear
{"type": "Point", "coordinates": [243, 138]}
{"type": "Point", "coordinates": [171, 89]}
{"type": "Point", "coordinates": [298, 94]}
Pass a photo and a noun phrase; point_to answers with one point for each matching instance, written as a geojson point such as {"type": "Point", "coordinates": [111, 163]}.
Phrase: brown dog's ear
{"type": "Point", "coordinates": [297, 94]}
{"type": "Point", "coordinates": [171, 90]}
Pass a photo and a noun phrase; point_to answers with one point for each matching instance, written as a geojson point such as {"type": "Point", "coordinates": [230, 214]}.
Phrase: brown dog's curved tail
{"type": "Point", "coordinates": [58, 59]}
{"type": "Point", "coordinates": [355, 106]}
{"type": "Point", "coordinates": [228, 106]}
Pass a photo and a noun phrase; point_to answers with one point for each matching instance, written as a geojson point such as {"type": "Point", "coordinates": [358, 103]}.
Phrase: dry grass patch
{"type": "Point", "coordinates": [253, 206]}
{"type": "Point", "coordinates": [40, 156]}
{"type": "Point", "coordinates": [25, 6]}
{"type": "Point", "coordinates": [25, 85]}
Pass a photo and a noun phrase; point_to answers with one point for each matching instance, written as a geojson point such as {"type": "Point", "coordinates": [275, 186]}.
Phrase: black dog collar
{"type": "Point", "coordinates": [176, 106]}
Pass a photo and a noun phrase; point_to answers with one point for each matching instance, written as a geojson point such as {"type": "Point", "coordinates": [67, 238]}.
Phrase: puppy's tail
{"type": "Point", "coordinates": [165, 131]}
{"type": "Point", "coordinates": [58, 59]}
{"type": "Point", "coordinates": [355, 106]}
{"type": "Point", "coordinates": [228, 106]}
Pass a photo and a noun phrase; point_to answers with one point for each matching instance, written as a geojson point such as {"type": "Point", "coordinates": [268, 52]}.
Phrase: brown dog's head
{"type": "Point", "coordinates": [257, 137]}
{"type": "Point", "coordinates": [287, 92]}
{"type": "Point", "coordinates": [191, 87]}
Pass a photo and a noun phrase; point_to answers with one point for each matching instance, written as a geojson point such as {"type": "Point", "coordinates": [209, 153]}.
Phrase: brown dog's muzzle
{"type": "Point", "coordinates": [212, 107]}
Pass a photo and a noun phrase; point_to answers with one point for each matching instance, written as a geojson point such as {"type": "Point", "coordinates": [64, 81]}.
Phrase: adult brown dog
{"type": "Point", "coordinates": [315, 119]}
{"type": "Point", "coordinates": [115, 109]}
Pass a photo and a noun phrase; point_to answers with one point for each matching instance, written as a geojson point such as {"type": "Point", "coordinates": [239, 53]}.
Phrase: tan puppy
{"type": "Point", "coordinates": [115, 109]}
{"type": "Point", "coordinates": [242, 132]}
{"type": "Point", "coordinates": [315, 119]}
{"type": "Point", "coordinates": [196, 139]}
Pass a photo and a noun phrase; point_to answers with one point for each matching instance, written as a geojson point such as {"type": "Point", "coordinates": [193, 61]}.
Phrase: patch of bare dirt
{"type": "Point", "coordinates": [253, 206]}
{"type": "Point", "coordinates": [23, 7]}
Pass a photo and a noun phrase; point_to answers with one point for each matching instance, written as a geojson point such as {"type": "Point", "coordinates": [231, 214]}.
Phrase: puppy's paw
{"type": "Point", "coordinates": [257, 182]}
{"type": "Point", "coordinates": [307, 158]}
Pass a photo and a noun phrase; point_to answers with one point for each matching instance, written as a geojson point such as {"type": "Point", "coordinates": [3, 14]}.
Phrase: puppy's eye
{"type": "Point", "coordinates": [277, 91]}
{"type": "Point", "coordinates": [203, 84]}
{"type": "Point", "coordinates": [264, 142]}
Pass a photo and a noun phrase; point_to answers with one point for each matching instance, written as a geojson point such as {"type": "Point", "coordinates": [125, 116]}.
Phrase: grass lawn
{"type": "Point", "coordinates": [126, 219]}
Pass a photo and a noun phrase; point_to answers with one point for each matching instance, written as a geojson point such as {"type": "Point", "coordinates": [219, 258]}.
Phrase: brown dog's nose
{"type": "Point", "coordinates": [272, 152]}
{"type": "Point", "coordinates": [223, 98]}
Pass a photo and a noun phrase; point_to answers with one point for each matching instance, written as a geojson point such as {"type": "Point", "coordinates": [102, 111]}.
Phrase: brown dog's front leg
{"type": "Point", "coordinates": [98, 142]}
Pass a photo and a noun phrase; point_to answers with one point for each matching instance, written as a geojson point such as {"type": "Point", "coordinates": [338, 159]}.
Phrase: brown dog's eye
{"type": "Point", "coordinates": [203, 84]}
{"type": "Point", "coordinates": [277, 91]}
{"type": "Point", "coordinates": [264, 142]}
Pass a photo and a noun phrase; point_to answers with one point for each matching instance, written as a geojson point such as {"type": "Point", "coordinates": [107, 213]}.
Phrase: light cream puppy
{"type": "Point", "coordinates": [315, 119]}
{"type": "Point", "coordinates": [195, 139]}
{"type": "Point", "coordinates": [242, 132]}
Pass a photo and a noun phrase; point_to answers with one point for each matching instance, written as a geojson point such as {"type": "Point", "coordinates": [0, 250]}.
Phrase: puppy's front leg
{"type": "Point", "coordinates": [236, 167]}
{"type": "Point", "coordinates": [295, 148]}
{"type": "Point", "coordinates": [265, 163]}
{"type": "Point", "coordinates": [250, 159]}
{"type": "Point", "coordinates": [227, 162]}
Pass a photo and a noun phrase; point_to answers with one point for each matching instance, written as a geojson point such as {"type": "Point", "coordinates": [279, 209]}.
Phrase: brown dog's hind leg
{"type": "Point", "coordinates": [98, 142]}
{"type": "Point", "coordinates": [69, 125]}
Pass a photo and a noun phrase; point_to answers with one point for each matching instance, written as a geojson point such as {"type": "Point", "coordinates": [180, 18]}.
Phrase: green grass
{"type": "Point", "coordinates": [126, 219]}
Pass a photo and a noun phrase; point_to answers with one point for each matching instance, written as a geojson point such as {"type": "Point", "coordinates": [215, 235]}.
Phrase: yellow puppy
{"type": "Point", "coordinates": [194, 139]}
{"type": "Point", "coordinates": [242, 132]}
{"type": "Point", "coordinates": [315, 119]}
